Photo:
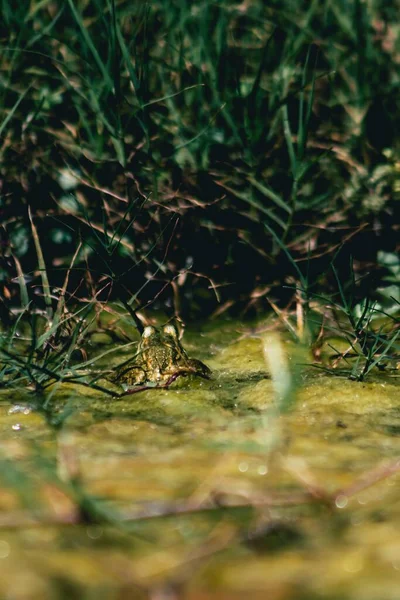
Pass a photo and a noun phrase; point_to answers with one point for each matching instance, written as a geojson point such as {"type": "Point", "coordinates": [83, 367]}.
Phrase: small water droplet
{"type": "Point", "coordinates": [17, 427]}
{"type": "Point", "coordinates": [354, 563]}
{"type": "Point", "coordinates": [19, 408]}
{"type": "Point", "coordinates": [341, 501]}
{"type": "Point", "coordinates": [94, 533]}
{"type": "Point", "coordinates": [243, 467]}
{"type": "Point", "coordinates": [262, 470]}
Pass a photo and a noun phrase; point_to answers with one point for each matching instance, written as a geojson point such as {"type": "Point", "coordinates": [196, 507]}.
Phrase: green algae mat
{"type": "Point", "coordinates": [207, 489]}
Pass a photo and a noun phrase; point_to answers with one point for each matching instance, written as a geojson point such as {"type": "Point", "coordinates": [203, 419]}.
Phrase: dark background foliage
{"type": "Point", "coordinates": [198, 154]}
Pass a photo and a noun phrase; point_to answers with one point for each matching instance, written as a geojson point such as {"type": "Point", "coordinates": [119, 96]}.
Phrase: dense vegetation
{"type": "Point", "coordinates": [198, 158]}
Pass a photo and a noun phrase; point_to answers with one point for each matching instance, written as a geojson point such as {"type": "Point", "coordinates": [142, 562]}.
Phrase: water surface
{"type": "Point", "coordinates": [220, 450]}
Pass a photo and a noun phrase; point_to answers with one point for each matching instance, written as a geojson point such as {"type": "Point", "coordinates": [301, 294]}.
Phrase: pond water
{"type": "Point", "coordinates": [209, 490]}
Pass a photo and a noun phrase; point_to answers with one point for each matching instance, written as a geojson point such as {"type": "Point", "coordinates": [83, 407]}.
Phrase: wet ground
{"type": "Point", "coordinates": [209, 490]}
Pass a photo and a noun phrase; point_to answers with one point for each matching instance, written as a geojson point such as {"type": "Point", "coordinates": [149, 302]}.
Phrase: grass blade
{"type": "Point", "coordinates": [12, 111]}
{"type": "Point", "coordinates": [42, 268]}
{"type": "Point", "coordinates": [89, 43]}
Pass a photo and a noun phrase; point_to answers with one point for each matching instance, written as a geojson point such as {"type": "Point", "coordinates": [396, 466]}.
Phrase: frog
{"type": "Point", "coordinates": [160, 359]}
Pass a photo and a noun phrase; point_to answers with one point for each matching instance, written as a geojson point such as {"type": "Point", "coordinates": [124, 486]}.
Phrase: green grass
{"type": "Point", "coordinates": [184, 158]}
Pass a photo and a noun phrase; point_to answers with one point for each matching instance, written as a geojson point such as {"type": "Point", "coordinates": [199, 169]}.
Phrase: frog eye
{"type": "Point", "coordinates": [147, 332]}
{"type": "Point", "coordinates": [170, 330]}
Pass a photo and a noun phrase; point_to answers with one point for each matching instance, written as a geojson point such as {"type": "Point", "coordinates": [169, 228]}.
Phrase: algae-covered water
{"type": "Point", "coordinates": [209, 490]}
